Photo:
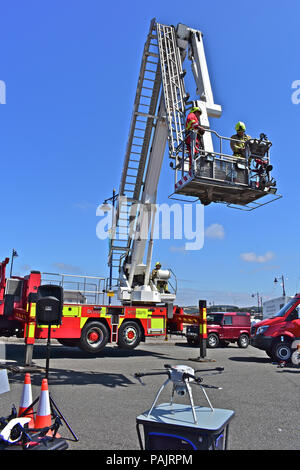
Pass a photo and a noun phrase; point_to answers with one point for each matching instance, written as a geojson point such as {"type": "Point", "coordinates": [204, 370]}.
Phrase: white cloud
{"type": "Point", "coordinates": [254, 258]}
{"type": "Point", "coordinates": [215, 231]}
{"type": "Point", "coordinates": [67, 268]}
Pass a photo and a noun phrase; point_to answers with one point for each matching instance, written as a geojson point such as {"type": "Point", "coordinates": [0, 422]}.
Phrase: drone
{"type": "Point", "coordinates": [182, 377]}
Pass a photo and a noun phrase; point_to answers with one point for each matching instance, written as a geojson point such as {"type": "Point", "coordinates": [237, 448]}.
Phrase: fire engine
{"type": "Point", "coordinates": [160, 108]}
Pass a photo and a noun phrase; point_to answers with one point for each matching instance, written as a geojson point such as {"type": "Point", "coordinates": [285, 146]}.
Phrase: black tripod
{"type": "Point", "coordinates": [54, 408]}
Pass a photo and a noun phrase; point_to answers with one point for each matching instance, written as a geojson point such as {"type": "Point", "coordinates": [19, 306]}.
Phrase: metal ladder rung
{"type": "Point", "coordinates": [147, 88]}
{"type": "Point", "coordinates": [152, 54]}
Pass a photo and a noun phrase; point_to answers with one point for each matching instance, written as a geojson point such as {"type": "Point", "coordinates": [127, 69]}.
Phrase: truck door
{"type": "Point", "coordinates": [293, 322]}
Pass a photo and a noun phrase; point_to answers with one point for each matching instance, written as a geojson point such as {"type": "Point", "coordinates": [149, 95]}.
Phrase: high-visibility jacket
{"type": "Point", "coordinates": [192, 123]}
{"type": "Point", "coordinates": [239, 147]}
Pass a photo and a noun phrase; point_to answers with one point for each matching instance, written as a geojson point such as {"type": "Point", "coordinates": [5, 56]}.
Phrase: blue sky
{"type": "Point", "coordinates": [71, 70]}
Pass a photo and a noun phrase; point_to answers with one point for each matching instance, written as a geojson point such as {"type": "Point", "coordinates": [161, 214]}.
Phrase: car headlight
{"type": "Point", "coordinates": [261, 329]}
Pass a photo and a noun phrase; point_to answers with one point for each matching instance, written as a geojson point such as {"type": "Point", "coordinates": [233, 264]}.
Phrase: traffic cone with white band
{"type": "Point", "coordinates": [26, 401]}
{"type": "Point", "coordinates": [43, 414]}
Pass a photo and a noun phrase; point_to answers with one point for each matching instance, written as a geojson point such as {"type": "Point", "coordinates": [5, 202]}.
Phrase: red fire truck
{"type": "Point", "coordinates": [89, 326]}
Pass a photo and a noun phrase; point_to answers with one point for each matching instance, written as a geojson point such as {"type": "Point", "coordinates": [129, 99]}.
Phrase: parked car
{"type": "Point", "coordinates": [279, 335]}
{"type": "Point", "coordinates": [223, 328]}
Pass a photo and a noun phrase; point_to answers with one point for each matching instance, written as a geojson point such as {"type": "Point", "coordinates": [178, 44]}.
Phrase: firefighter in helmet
{"type": "Point", "coordinates": [238, 148]}
{"type": "Point", "coordinates": [162, 286]}
{"type": "Point", "coordinates": [193, 123]}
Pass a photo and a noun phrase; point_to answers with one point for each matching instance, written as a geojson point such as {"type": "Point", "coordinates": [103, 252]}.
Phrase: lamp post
{"type": "Point", "coordinates": [282, 280]}
{"type": "Point", "coordinates": [106, 207]}
{"type": "Point", "coordinates": [13, 255]}
{"type": "Point", "coordinates": [259, 302]}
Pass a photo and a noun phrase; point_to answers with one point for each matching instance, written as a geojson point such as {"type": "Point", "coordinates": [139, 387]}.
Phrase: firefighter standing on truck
{"type": "Point", "coordinates": [238, 148]}
{"type": "Point", "coordinates": [162, 286]}
{"type": "Point", "coordinates": [193, 123]}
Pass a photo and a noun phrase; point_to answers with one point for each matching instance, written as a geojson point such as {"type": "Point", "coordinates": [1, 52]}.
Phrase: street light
{"type": "Point", "coordinates": [259, 300]}
{"type": "Point", "coordinates": [282, 280]}
{"type": "Point", "coordinates": [13, 255]}
{"type": "Point", "coordinates": [106, 208]}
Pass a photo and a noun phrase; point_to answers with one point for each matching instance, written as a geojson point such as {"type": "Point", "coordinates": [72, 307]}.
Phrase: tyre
{"type": "Point", "coordinates": [243, 341]}
{"type": "Point", "coordinates": [193, 341]}
{"type": "Point", "coordinates": [296, 358]}
{"type": "Point", "coordinates": [94, 337]}
{"type": "Point", "coordinates": [72, 343]}
{"type": "Point", "coordinates": [282, 351]}
{"type": "Point", "coordinates": [213, 340]}
{"type": "Point", "coordinates": [130, 335]}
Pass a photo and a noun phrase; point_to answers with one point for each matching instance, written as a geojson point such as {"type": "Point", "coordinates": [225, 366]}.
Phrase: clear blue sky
{"type": "Point", "coordinates": [71, 70]}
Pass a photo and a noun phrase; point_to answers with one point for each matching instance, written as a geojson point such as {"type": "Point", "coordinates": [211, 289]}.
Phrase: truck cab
{"type": "Point", "coordinates": [223, 328]}
{"type": "Point", "coordinates": [279, 335]}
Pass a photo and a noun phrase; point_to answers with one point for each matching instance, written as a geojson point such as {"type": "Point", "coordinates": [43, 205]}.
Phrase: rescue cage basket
{"type": "Point", "coordinates": [220, 177]}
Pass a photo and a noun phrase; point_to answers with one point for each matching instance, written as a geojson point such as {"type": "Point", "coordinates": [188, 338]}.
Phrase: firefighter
{"type": "Point", "coordinates": [162, 286]}
{"type": "Point", "coordinates": [238, 148]}
{"type": "Point", "coordinates": [193, 123]}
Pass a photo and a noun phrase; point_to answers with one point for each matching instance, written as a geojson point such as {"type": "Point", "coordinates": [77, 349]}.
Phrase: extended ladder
{"type": "Point", "coordinates": [175, 96]}
{"type": "Point", "coordinates": [143, 120]}
{"type": "Point", "coordinates": [160, 83]}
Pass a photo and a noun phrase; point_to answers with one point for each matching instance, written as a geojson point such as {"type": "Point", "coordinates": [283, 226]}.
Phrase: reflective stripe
{"type": "Point", "coordinates": [83, 321]}
{"type": "Point", "coordinates": [203, 323]}
{"type": "Point", "coordinates": [30, 330]}
{"type": "Point", "coordinates": [157, 323]}
{"type": "Point", "coordinates": [71, 311]}
{"type": "Point", "coordinates": [190, 124]}
{"type": "Point", "coordinates": [32, 310]}
{"type": "Point", "coordinates": [142, 313]}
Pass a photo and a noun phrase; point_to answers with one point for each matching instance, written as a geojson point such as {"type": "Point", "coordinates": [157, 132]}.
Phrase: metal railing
{"type": "Point", "coordinates": [78, 289]}
{"type": "Point", "coordinates": [218, 157]}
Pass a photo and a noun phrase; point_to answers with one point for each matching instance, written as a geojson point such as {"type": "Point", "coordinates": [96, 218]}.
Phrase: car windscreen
{"type": "Point", "coordinates": [214, 318]}
{"type": "Point", "coordinates": [285, 308]}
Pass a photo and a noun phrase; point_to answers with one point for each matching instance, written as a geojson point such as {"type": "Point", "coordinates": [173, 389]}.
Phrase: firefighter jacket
{"type": "Point", "coordinates": [238, 148]}
{"type": "Point", "coordinates": [192, 123]}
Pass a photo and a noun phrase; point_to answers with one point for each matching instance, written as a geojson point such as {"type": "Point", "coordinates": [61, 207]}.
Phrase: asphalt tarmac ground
{"type": "Point", "coordinates": [100, 398]}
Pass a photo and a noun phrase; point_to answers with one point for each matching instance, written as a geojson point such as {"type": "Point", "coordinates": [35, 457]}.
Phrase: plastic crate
{"type": "Point", "coordinates": [172, 427]}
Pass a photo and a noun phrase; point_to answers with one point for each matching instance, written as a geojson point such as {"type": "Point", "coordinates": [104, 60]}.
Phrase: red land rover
{"type": "Point", "coordinates": [223, 328]}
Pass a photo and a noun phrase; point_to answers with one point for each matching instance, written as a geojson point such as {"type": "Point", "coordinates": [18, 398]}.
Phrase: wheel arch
{"type": "Point", "coordinates": [285, 337]}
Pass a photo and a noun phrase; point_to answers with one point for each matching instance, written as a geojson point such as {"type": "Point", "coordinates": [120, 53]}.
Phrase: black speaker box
{"type": "Point", "coordinates": [49, 305]}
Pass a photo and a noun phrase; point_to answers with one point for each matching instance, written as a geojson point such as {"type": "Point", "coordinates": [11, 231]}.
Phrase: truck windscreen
{"type": "Point", "coordinates": [285, 308]}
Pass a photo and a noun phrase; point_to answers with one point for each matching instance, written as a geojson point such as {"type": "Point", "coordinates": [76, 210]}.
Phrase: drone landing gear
{"type": "Point", "coordinates": [181, 376]}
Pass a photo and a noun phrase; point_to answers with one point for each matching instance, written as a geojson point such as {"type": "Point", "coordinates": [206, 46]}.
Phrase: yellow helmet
{"type": "Point", "coordinates": [196, 108]}
{"type": "Point", "coordinates": [240, 126]}
{"type": "Point", "coordinates": [157, 264]}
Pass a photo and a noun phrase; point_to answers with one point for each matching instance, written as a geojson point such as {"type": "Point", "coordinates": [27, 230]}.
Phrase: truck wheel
{"type": "Point", "coordinates": [129, 336]}
{"type": "Point", "coordinates": [213, 340]}
{"type": "Point", "coordinates": [192, 341]}
{"type": "Point", "coordinates": [282, 351]}
{"type": "Point", "coordinates": [94, 337]}
{"type": "Point", "coordinates": [243, 341]}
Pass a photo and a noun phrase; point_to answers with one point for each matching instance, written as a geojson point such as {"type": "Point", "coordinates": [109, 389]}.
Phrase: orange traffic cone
{"type": "Point", "coordinates": [26, 401]}
{"type": "Point", "coordinates": [43, 414]}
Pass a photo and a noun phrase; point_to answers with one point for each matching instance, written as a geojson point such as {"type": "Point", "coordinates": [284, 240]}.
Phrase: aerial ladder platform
{"type": "Point", "coordinates": [159, 113]}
